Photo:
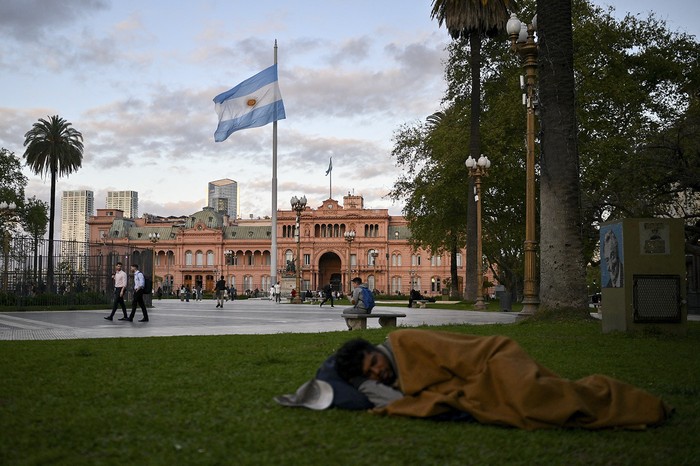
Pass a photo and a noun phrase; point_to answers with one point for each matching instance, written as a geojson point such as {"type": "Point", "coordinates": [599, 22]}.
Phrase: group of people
{"type": "Point", "coordinates": [120, 283]}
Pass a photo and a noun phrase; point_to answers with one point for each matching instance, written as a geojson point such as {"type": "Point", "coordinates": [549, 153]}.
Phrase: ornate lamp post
{"type": "Point", "coordinates": [229, 261]}
{"type": "Point", "coordinates": [298, 205]}
{"type": "Point", "coordinates": [522, 42]}
{"type": "Point", "coordinates": [477, 169]}
{"type": "Point", "coordinates": [6, 210]}
{"type": "Point", "coordinates": [154, 238]}
{"type": "Point", "coordinates": [375, 254]}
{"type": "Point", "coordinates": [349, 237]}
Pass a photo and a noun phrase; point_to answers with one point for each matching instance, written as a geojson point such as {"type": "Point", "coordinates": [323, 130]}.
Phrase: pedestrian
{"type": "Point", "coordinates": [278, 292]}
{"type": "Point", "coordinates": [327, 294]}
{"type": "Point", "coordinates": [272, 292]}
{"type": "Point", "coordinates": [120, 279]}
{"type": "Point", "coordinates": [139, 288]}
{"type": "Point", "coordinates": [159, 293]}
{"type": "Point", "coordinates": [220, 289]}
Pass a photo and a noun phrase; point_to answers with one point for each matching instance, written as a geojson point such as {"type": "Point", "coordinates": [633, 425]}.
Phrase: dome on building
{"type": "Point", "coordinates": [208, 216]}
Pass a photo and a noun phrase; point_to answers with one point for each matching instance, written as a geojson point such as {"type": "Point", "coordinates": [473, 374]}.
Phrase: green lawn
{"type": "Point", "coordinates": [208, 400]}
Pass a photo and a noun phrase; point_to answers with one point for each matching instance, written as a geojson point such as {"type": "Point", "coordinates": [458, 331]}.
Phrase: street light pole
{"type": "Point", "coordinates": [522, 42]}
{"type": "Point", "coordinates": [298, 205]}
{"type": "Point", "coordinates": [154, 238]}
{"type": "Point", "coordinates": [477, 169]}
{"type": "Point", "coordinates": [349, 237]}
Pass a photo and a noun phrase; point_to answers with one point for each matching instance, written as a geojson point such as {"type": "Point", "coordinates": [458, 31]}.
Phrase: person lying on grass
{"type": "Point", "coordinates": [491, 379]}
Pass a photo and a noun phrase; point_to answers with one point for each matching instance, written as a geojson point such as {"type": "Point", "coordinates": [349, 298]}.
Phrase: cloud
{"type": "Point", "coordinates": [30, 20]}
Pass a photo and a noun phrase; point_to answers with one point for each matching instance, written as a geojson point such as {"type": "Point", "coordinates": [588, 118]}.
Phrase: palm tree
{"type": "Point", "coordinates": [55, 148]}
{"type": "Point", "coordinates": [474, 19]}
{"type": "Point", "coordinates": [562, 268]}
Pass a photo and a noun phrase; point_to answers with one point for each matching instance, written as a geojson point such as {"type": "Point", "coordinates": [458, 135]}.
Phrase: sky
{"type": "Point", "coordinates": [137, 79]}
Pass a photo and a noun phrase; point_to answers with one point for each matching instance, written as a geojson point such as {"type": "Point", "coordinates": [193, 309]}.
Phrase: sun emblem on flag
{"type": "Point", "coordinates": [252, 102]}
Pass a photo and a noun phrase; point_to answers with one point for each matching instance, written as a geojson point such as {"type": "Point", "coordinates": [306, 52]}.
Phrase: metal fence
{"type": "Point", "coordinates": [82, 271]}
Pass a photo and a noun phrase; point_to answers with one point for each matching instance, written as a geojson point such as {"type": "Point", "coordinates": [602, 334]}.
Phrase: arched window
{"type": "Point", "coordinates": [435, 284]}
{"type": "Point", "coordinates": [398, 259]}
{"type": "Point", "coordinates": [459, 259]}
{"type": "Point", "coordinates": [210, 257]}
{"type": "Point", "coordinates": [248, 283]}
{"type": "Point", "coordinates": [188, 257]}
{"type": "Point", "coordinates": [396, 285]}
{"type": "Point", "coordinates": [371, 258]}
{"type": "Point", "coordinates": [370, 282]}
{"type": "Point", "coordinates": [199, 258]}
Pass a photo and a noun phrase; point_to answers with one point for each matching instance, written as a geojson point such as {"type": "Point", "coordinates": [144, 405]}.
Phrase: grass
{"type": "Point", "coordinates": [208, 400]}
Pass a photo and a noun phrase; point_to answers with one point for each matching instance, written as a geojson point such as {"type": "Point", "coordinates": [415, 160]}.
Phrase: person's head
{"type": "Point", "coordinates": [222, 277]}
{"type": "Point", "coordinates": [360, 358]}
{"type": "Point", "coordinates": [119, 266]}
{"type": "Point", "coordinates": [611, 250]}
{"type": "Point", "coordinates": [357, 281]}
{"type": "Point", "coordinates": [134, 267]}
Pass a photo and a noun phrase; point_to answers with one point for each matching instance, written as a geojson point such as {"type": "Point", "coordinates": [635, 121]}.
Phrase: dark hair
{"type": "Point", "coordinates": [136, 266]}
{"type": "Point", "coordinates": [357, 280]}
{"type": "Point", "coordinates": [350, 356]}
{"type": "Point", "coordinates": [118, 263]}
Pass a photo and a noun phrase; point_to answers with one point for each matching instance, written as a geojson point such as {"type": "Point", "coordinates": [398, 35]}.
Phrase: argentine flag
{"type": "Point", "coordinates": [255, 102]}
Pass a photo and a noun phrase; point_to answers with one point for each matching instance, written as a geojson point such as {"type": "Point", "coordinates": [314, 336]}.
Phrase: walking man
{"type": "Point", "coordinates": [278, 292]}
{"type": "Point", "coordinates": [327, 294]}
{"type": "Point", "coordinates": [119, 278]}
{"type": "Point", "coordinates": [220, 292]}
{"type": "Point", "coordinates": [139, 288]}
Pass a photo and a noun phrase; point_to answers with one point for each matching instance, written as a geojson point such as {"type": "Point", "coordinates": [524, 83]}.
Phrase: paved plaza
{"type": "Point", "coordinates": [252, 316]}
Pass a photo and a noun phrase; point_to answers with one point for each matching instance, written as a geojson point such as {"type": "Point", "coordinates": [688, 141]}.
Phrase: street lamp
{"type": "Point", "coordinates": [154, 238]}
{"type": "Point", "coordinates": [298, 205]}
{"type": "Point", "coordinates": [522, 42]}
{"type": "Point", "coordinates": [349, 237]}
{"type": "Point", "coordinates": [229, 261]}
{"type": "Point", "coordinates": [477, 169]}
{"type": "Point", "coordinates": [7, 210]}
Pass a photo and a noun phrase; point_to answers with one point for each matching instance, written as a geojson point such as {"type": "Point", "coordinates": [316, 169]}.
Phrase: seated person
{"type": "Point", "coordinates": [422, 373]}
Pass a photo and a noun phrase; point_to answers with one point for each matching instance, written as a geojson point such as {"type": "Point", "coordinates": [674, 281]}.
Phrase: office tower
{"type": "Point", "coordinates": [76, 209]}
{"type": "Point", "coordinates": [223, 197]}
{"type": "Point", "coordinates": [126, 201]}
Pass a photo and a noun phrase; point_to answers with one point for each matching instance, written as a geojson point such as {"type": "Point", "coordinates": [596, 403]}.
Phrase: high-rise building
{"type": "Point", "coordinates": [224, 197]}
{"type": "Point", "coordinates": [76, 209]}
{"type": "Point", "coordinates": [126, 201]}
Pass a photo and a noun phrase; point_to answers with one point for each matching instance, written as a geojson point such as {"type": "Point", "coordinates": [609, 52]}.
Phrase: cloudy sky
{"type": "Point", "coordinates": [137, 78]}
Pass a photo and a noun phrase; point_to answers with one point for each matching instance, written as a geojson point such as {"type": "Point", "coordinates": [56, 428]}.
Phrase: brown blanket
{"type": "Point", "coordinates": [494, 380]}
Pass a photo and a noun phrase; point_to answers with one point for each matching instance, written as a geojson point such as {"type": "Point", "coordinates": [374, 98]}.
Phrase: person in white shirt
{"type": "Point", "coordinates": [278, 292]}
{"type": "Point", "coordinates": [119, 278]}
{"type": "Point", "coordinates": [139, 288]}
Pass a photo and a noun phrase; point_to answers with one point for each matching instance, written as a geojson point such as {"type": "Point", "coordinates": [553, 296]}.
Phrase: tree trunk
{"type": "Point", "coordinates": [52, 214]}
{"type": "Point", "coordinates": [471, 281]}
{"type": "Point", "coordinates": [563, 284]}
{"type": "Point", "coordinates": [454, 276]}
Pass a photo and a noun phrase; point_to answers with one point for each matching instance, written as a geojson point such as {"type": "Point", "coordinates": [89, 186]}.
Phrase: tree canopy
{"type": "Point", "coordinates": [638, 140]}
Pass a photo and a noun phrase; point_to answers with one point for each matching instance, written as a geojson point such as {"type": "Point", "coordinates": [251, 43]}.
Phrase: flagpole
{"type": "Point", "coordinates": [273, 252]}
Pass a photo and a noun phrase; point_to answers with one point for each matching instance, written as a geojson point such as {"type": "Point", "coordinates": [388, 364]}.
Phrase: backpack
{"type": "Point", "coordinates": [148, 285]}
{"type": "Point", "coordinates": [367, 298]}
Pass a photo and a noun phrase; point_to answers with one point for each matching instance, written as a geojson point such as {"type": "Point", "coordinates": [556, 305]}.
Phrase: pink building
{"type": "Point", "coordinates": [197, 249]}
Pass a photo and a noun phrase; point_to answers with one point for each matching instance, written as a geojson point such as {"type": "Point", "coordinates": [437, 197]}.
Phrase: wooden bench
{"type": "Point", "coordinates": [357, 321]}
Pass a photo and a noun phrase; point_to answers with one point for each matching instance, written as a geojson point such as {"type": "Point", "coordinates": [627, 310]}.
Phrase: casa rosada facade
{"type": "Point", "coordinates": [196, 250]}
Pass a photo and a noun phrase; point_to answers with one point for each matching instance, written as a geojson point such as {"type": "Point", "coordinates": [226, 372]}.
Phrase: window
{"type": "Point", "coordinates": [307, 259]}
{"type": "Point", "coordinates": [353, 260]}
{"type": "Point", "coordinates": [398, 256]}
{"type": "Point", "coordinates": [250, 259]}
{"type": "Point", "coordinates": [199, 257]}
{"type": "Point", "coordinates": [370, 257]}
{"type": "Point", "coordinates": [248, 283]}
{"type": "Point", "coordinates": [210, 257]}
{"type": "Point", "coordinates": [188, 257]}
{"type": "Point", "coordinates": [288, 256]}
{"type": "Point", "coordinates": [435, 284]}
{"type": "Point", "coordinates": [435, 261]}
{"type": "Point", "coordinates": [415, 260]}
{"type": "Point", "coordinates": [459, 259]}
{"type": "Point", "coordinates": [395, 285]}
{"type": "Point", "coordinates": [370, 282]}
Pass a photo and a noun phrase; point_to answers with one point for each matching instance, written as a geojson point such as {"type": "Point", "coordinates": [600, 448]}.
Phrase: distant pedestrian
{"type": "Point", "coordinates": [327, 294]}
{"type": "Point", "coordinates": [139, 288]}
{"type": "Point", "coordinates": [278, 292]}
{"type": "Point", "coordinates": [120, 279]}
{"type": "Point", "coordinates": [272, 292]}
{"type": "Point", "coordinates": [220, 292]}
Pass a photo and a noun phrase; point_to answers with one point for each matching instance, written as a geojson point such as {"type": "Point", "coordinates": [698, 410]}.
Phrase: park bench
{"type": "Point", "coordinates": [357, 321]}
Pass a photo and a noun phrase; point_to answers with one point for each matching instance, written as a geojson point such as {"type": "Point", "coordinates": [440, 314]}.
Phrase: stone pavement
{"type": "Point", "coordinates": [252, 316]}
